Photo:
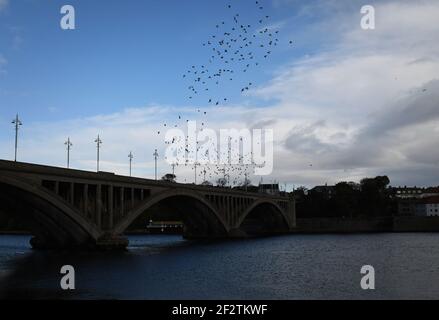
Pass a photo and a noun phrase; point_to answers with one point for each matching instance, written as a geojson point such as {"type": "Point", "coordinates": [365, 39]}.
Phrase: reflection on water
{"type": "Point", "coordinates": [289, 267]}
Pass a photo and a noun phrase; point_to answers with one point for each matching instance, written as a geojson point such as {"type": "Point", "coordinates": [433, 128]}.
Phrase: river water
{"type": "Point", "coordinates": [288, 267]}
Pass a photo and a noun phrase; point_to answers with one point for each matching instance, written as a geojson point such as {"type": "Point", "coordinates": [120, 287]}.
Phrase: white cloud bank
{"type": "Point", "coordinates": [367, 106]}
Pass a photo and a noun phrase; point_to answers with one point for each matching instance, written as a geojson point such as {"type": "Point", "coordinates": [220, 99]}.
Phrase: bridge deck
{"type": "Point", "coordinates": [109, 177]}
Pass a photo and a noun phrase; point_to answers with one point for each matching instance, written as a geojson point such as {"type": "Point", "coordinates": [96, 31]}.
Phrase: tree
{"type": "Point", "coordinates": [247, 182]}
{"type": "Point", "coordinates": [378, 184]}
{"type": "Point", "coordinates": [221, 182]}
{"type": "Point", "coordinates": [169, 177]}
{"type": "Point", "coordinates": [346, 200]}
{"type": "Point", "coordinates": [300, 191]}
{"type": "Point", "coordinates": [374, 200]}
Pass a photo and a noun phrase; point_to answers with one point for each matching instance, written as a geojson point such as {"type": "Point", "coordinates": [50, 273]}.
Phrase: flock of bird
{"type": "Point", "coordinates": [233, 49]}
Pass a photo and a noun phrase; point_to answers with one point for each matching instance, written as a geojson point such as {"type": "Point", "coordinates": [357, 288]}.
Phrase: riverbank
{"type": "Point", "coordinates": [327, 225]}
{"type": "Point", "coordinates": [363, 225]}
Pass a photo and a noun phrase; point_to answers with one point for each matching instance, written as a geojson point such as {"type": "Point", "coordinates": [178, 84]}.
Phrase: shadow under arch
{"type": "Point", "coordinates": [264, 217]}
{"type": "Point", "coordinates": [52, 221]}
{"type": "Point", "coordinates": [201, 219]}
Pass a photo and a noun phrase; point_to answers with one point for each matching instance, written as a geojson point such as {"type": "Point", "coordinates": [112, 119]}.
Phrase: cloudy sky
{"type": "Point", "coordinates": [344, 103]}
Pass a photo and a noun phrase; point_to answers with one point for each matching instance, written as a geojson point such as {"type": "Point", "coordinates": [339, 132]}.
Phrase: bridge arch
{"type": "Point", "coordinates": [202, 211]}
{"type": "Point", "coordinates": [264, 216]}
{"type": "Point", "coordinates": [52, 221]}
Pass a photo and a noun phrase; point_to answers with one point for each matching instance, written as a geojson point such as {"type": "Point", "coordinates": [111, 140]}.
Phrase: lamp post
{"type": "Point", "coordinates": [156, 155]}
{"type": "Point", "coordinates": [246, 180]}
{"type": "Point", "coordinates": [98, 146]}
{"type": "Point", "coordinates": [17, 124]}
{"type": "Point", "coordinates": [196, 164]}
{"type": "Point", "coordinates": [223, 170]}
{"type": "Point", "coordinates": [69, 145]}
{"type": "Point", "coordinates": [130, 156]}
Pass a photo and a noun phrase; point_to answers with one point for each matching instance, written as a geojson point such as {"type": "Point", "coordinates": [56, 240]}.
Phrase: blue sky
{"type": "Point", "coordinates": [344, 103]}
{"type": "Point", "coordinates": [123, 53]}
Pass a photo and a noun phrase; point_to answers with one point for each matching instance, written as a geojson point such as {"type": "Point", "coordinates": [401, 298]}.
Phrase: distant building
{"type": "Point", "coordinates": [428, 207]}
{"type": "Point", "coordinates": [408, 207]}
{"type": "Point", "coordinates": [414, 201]}
{"type": "Point", "coordinates": [325, 191]}
{"type": "Point", "coordinates": [272, 188]}
{"type": "Point", "coordinates": [430, 192]}
{"type": "Point", "coordinates": [407, 192]}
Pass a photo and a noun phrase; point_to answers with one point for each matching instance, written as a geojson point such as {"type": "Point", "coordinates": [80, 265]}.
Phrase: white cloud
{"type": "Point", "coordinates": [360, 108]}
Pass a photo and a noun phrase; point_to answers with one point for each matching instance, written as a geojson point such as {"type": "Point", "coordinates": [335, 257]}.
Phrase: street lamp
{"type": "Point", "coordinates": [131, 160]}
{"type": "Point", "coordinates": [17, 124]}
{"type": "Point", "coordinates": [98, 145]}
{"type": "Point", "coordinates": [226, 176]}
{"type": "Point", "coordinates": [196, 164]}
{"type": "Point", "coordinates": [69, 145]}
{"type": "Point", "coordinates": [156, 155]}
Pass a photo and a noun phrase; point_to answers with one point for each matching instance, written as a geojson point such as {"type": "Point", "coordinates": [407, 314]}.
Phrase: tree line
{"type": "Point", "coordinates": [371, 198]}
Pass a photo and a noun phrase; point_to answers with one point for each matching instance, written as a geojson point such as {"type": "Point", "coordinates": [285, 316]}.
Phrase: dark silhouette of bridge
{"type": "Point", "coordinates": [73, 208]}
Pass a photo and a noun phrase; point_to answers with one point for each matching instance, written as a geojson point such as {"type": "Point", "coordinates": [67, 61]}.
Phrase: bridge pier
{"type": "Point", "coordinates": [112, 242]}
{"type": "Point", "coordinates": [237, 234]}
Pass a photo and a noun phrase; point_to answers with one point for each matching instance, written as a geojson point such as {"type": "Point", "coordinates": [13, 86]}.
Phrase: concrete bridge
{"type": "Point", "coordinates": [72, 208]}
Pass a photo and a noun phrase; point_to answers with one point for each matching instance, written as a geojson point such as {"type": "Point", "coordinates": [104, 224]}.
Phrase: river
{"type": "Point", "coordinates": [286, 267]}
